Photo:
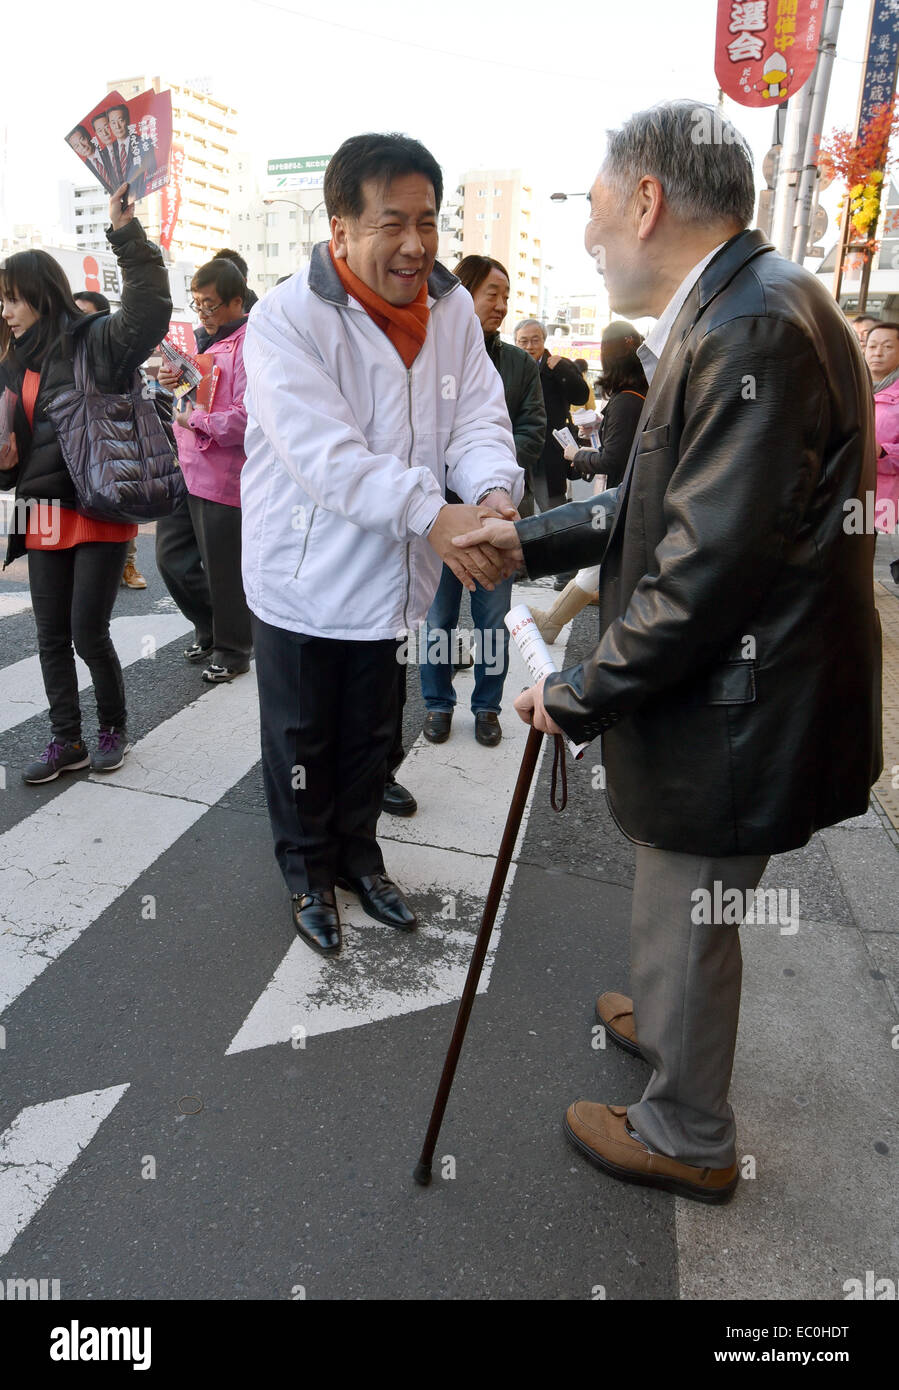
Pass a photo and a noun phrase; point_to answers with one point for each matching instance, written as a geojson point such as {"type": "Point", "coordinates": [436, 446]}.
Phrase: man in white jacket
{"type": "Point", "coordinates": [368, 393]}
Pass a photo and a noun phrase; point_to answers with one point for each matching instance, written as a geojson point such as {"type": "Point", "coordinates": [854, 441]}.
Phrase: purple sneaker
{"type": "Point", "coordinates": [57, 757]}
{"type": "Point", "coordinates": [111, 752]}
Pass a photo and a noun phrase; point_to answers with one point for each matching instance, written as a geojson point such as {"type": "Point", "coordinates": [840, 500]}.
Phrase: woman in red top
{"type": "Point", "coordinates": [74, 564]}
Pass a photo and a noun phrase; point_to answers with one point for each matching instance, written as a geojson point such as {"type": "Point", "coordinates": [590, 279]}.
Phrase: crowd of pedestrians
{"type": "Point", "coordinates": [370, 446]}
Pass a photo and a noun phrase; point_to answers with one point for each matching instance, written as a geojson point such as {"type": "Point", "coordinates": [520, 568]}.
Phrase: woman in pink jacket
{"type": "Point", "coordinates": [211, 452]}
{"type": "Point", "coordinates": [882, 357]}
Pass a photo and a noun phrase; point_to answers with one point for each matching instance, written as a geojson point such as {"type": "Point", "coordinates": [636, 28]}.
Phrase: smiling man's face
{"type": "Point", "coordinates": [392, 245]}
{"type": "Point", "coordinates": [80, 144]}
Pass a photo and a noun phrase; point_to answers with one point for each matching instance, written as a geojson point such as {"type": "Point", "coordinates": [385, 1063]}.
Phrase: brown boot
{"type": "Point", "coordinates": [569, 603]}
{"type": "Point", "coordinates": [132, 576]}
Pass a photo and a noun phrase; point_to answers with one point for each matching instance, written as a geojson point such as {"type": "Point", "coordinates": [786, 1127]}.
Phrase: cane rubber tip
{"type": "Point", "coordinates": [422, 1174]}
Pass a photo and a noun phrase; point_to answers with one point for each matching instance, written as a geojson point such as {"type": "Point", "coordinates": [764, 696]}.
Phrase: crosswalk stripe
{"type": "Point", "coordinates": [138, 638]}
{"type": "Point", "coordinates": [200, 752]}
{"type": "Point", "coordinates": [64, 865]}
{"type": "Point", "coordinates": [39, 1147]}
{"type": "Point", "coordinates": [13, 604]}
{"type": "Point", "coordinates": [381, 972]}
{"type": "Point", "coordinates": [443, 857]}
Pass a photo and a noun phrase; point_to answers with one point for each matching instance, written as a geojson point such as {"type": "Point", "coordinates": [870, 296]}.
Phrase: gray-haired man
{"type": "Point", "coordinates": [563, 386]}
{"type": "Point", "coordinates": [737, 678]}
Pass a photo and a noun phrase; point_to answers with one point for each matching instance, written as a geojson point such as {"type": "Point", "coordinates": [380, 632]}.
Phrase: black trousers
{"type": "Point", "coordinates": [180, 563]}
{"type": "Point", "coordinates": [328, 723]}
{"type": "Point", "coordinates": [72, 593]}
{"type": "Point", "coordinates": [397, 751]}
{"type": "Point", "coordinates": [217, 528]}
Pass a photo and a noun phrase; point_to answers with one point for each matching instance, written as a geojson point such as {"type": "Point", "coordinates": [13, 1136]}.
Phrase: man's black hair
{"type": "Point", "coordinates": [380, 157]}
{"type": "Point", "coordinates": [230, 255]}
{"type": "Point", "coordinates": [224, 275]}
{"type": "Point", "coordinates": [100, 302]}
{"type": "Point", "coordinates": [119, 106]}
{"type": "Point", "coordinates": [100, 116]}
{"type": "Point", "coordinates": [80, 130]}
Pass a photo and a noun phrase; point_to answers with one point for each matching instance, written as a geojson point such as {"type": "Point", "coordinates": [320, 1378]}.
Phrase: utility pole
{"type": "Point", "coordinates": [792, 157]}
{"type": "Point", "coordinates": [820, 85]}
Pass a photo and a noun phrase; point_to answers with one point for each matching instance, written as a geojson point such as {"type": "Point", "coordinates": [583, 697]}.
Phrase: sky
{"type": "Point", "coordinates": [483, 83]}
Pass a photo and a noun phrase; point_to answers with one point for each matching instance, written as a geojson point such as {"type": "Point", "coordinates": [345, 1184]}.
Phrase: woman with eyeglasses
{"type": "Point", "coordinates": [74, 563]}
{"type": "Point", "coordinates": [211, 453]}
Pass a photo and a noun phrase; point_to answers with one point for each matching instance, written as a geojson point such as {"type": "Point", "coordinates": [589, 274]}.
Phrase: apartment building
{"type": "Point", "coordinates": [499, 220]}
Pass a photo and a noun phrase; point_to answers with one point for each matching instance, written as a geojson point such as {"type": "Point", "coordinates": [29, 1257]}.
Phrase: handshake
{"type": "Point", "coordinates": [480, 543]}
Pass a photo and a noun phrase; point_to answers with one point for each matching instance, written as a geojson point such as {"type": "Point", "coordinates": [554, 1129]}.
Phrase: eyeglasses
{"type": "Point", "coordinates": [203, 306]}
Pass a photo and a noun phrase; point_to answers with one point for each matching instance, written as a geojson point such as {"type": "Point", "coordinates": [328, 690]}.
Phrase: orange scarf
{"type": "Point", "coordinates": [405, 325]}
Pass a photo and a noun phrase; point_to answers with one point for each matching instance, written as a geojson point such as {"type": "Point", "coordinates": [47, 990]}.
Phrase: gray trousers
{"type": "Point", "coordinates": [685, 982]}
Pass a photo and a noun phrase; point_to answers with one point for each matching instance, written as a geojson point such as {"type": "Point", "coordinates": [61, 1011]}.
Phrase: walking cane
{"type": "Point", "coordinates": [422, 1170]}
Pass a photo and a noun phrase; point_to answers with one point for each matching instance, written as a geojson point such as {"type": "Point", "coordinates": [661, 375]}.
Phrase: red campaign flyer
{"type": "Point", "coordinates": [121, 141]}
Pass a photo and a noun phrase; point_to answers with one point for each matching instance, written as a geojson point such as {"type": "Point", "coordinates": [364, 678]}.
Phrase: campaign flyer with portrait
{"type": "Point", "coordinates": [121, 141]}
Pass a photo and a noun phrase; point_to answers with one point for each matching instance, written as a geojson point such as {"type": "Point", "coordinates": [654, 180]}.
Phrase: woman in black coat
{"type": "Point", "coordinates": [623, 383]}
{"type": "Point", "coordinates": [74, 563]}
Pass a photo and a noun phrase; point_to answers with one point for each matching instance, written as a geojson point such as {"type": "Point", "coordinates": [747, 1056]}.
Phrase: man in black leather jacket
{"type": "Point", "coordinates": [737, 677]}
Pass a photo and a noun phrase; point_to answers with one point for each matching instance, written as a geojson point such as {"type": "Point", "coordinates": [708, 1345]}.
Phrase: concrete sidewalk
{"type": "Point", "coordinates": [815, 1079]}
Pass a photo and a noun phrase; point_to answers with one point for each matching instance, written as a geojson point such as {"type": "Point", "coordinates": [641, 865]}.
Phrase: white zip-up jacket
{"type": "Point", "coordinates": [349, 453]}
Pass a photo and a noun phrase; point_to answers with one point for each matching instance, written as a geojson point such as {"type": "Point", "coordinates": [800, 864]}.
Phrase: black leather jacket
{"type": "Point", "coordinates": [737, 676]}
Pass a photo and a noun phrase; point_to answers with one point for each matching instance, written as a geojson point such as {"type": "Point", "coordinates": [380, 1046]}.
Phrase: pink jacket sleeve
{"type": "Point", "coordinates": [886, 413]}
{"type": "Point", "coordinates": [226, 427]}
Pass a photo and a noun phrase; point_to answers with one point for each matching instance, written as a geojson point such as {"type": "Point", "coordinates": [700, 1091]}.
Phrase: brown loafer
{"type": "Point", "coordinates": [616, 1014]}
{"type": "Point", "coordinates": [600, 1133]}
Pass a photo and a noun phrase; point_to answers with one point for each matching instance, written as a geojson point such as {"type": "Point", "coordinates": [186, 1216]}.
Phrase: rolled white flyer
{"type": "Point", "coordinates": [535, 653]}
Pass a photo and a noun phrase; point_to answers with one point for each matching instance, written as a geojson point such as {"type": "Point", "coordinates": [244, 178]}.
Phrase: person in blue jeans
{"type": "Point", "coordinates": [487, 281]}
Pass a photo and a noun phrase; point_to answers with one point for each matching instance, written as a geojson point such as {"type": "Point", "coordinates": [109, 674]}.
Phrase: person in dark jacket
{"type": "Point", "coordinates": [487, 281]}
{"type": "Point", "coordinates": [623, 382]}
{"type": "Point", "coordinates": [736, 681]}
{"type": "Point", "coordinates": [624, 386]}
{"type": "Point", "coordinates": [74, 563]}
{"type": "Point", "coordinates": [563, 386]}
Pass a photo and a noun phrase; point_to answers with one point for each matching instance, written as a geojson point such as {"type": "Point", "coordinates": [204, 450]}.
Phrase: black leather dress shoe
{"type": "Point", "coordinates": [382, 900]}
{"type": "Point", "coordinates": [436, 727]}
{"type": "Point", "coordinates": [487, 729]}
{"type": "Point", "coordinates": [397, 800]}
{"type": "Point", "coordinates": [316, 920]}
